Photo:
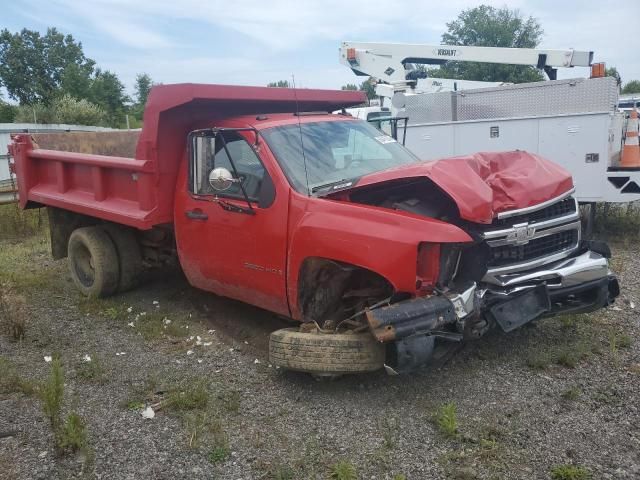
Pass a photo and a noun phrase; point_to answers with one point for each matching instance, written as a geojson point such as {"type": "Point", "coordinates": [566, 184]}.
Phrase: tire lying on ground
{"type": "Point", "coordinates": [129, 255]}
{"type": "Point", "coordinates": [93, 262]}
{"type": "Point", "coordinates": [323, 353]}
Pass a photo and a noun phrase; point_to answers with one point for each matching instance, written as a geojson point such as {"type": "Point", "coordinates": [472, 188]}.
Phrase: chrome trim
{"type": "Point", "coordinates": [539, 206]}
{"type": "Point", "coordinates": [547, 223]}
{"type": "Point", "coordinates": [539, 234]}
{"type": "Point", "coordinates": [535, 263]}
{"type": "Point", "coordinates": [584, 268]}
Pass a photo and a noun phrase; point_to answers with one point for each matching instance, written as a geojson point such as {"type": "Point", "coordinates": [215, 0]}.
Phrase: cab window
{"type": "Point", "coordinates": [208, 152]}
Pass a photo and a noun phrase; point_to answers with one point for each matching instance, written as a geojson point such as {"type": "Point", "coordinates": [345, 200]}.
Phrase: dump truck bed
{"type": "Point", "coordinates": [129, 177]}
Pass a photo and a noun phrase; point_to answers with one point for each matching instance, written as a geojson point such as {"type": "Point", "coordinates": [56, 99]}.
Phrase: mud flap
{"type": "Point", "coordinates": [515, 312]}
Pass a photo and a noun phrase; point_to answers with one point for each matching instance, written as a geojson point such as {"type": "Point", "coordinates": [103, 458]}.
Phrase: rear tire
{"type": "Point", "coordinates": [93, 262]}
{"type": "Point", "coordinates": [129, 255]}
{"type": "Point", "coordinates": [322, 353]}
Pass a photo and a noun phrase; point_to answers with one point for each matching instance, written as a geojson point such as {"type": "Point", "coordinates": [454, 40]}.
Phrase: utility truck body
{"type": "Point", "coordinates": [265, 197]}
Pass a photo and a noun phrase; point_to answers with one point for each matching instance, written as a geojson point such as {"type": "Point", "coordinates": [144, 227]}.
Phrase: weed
{"type": "Point", "coordinates": [389, 428]}
{"type": "Point", "coordinates": [53, 393]}
{"type": "Point", "coordinates": [11, 382]}
{"type": "Point", "coordinates": [13, 315]}
{"type": "Point", "coordinates": [153, 326]}
{"type": "Point", "coordinates": [570, 472]}
{"type": "Point", "coordinates": [446, 420]}
{"type": "Point", "coordinates": [567, 358]}
{"type": "Point", "coordinates": [539, 360]}
{"type": "Point", "coordinates": [569, 321]}
{"type": "Point", "coordinates": [230, 400]}
{"type": "Point", "coordinates": [399, 477]}
{"type": "Point", "coordinates": [16, 223]}
{"type": "Point", "coordinates": [218, 454]}
{"type": "Point", "coordinates": [572, 393]}
{"type": "Point", "coordinates": [91, 371]}
{"type": "Point", "coordinates": [343, 470]}
{"type": "Point", "coordinates": [282, 472]}
{"type": "Point", "coordinates": [191, 395]}
{"type": "Point", "coordinates": [625, 341]}
{"type": "Point", "coordinates": [135, 405]}
{"type": "Point", "coordinates": [113, 313]}
{"type": "Point", "coordinates": [72, 436]}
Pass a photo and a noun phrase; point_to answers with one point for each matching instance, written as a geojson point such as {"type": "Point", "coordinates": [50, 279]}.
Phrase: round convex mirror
{"type": "Point", "coordinates": [221, 179]}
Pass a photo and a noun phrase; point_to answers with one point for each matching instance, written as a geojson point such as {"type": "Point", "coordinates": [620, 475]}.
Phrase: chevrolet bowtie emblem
{"type": "Point", "coordinates": [521, 233]}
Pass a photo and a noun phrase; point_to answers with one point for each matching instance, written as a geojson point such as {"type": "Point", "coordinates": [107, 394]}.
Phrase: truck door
{"type": "Point", "coordinates": [227, 245]}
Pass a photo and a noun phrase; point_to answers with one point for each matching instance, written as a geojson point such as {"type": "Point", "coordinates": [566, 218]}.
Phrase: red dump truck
{"type": "Point", "coordinates": [264, 196]}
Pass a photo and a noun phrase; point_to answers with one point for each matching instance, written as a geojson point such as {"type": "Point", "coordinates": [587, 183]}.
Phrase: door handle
{"type": "Point", "coordinates": [196, 214]}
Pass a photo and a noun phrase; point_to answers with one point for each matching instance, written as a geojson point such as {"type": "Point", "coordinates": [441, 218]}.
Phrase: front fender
{"type": "Point", "coordinates": [383, 241]}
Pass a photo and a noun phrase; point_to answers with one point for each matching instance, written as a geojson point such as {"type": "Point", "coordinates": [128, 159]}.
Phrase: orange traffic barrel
{"type": "Point", "coordinates": [631, 149]}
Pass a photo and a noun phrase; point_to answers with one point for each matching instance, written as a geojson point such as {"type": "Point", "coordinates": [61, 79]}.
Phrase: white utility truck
{"type": "Point", "coordinates": [574, 122]}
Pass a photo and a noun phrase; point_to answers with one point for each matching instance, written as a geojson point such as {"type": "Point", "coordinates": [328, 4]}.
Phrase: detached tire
{"type": "Point", "coordinates": [93, 262]}
{"type": "Point", "coordinates": [322, 353]}
{"type": "Point", "coordinates": [129, 255]}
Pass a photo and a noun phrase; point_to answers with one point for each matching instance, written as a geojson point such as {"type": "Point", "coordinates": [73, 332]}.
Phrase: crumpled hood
{"type": "Point", "coordinates": [485, 184]}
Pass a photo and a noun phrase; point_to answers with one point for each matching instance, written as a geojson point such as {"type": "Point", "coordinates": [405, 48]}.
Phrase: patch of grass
{"type": "Point", "coordinates": [92, 371]}
{"type": "Point", "coordinates": [191, 395]}
{"type": "Point", "coordinates": [567, 358]}
{"type": "Point", "coordinates": [539, 360]}
{"type": "Point", "coordinates": [16, 223]}
{"type": "Point", "coordinates": [343, 470]}
{"type": "Point", "coordinates": [13, 313]}
{"type": "Point", "coordinates": [52, 393]}
{"type": "Point", "coordinates": [230, 400]}
{"type": "Point", "coordinates": [219, 454]}
{"type": "Point", "coordinates": [570, 472]}
{"type": "Point", "coordinates": [572, 393]}
{"type": "Point", "coordinates": [399, 477]}
{"type": "Point", "coordinates": [135, 405]}
{"type": "Point", "coordinates": [22, 269]}
{"type": "Point", "coordinates": [389, 428]}
{"type": "Point", "coordinates": [282, 472]}
{"type": "Point", "coordinates": [152, 326]}
{"type": "Point", "coordinates": [72, 436]}
{"type": "Point", "coordinates": [446, 419]}
{"type": "Point", "coordinates": [11, 382]}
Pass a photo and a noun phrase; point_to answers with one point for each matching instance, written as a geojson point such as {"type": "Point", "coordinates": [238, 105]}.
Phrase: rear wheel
{"type": "Point", "coordinates": [93, 262]}
{"type": "Point", "coordinates": [325, 353]}
{"type": "Point", "coordinates": [129, 255]}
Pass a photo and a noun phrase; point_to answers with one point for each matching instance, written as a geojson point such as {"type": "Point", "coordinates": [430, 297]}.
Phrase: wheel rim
{"type": "Point", "coordinates": [83, 266]}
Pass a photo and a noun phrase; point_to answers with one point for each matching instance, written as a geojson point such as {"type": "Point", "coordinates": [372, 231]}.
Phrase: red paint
{"type": "Point", "coordinates": [257, 258]}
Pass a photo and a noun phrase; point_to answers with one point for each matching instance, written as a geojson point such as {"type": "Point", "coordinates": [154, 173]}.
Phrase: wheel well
{"type": "Point", "coordinates": [332, 290]}
{"type": "Point", "coordinates": [62, 223]}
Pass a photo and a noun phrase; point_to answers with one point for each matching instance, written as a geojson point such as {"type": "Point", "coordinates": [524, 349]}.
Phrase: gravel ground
{"type": "Point", "coordinates": [560, 391]}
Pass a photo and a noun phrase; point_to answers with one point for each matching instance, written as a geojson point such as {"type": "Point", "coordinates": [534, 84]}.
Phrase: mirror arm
{"type": "Point", "coordinates": [235, 172]}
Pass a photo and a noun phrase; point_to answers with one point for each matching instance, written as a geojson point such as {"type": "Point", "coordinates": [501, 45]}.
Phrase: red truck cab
{"type": "Point", "coordinates": [267, 198]}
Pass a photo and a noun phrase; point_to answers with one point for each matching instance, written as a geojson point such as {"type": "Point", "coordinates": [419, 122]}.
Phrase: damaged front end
{"type": "Point", "coordinates": [528, 264]}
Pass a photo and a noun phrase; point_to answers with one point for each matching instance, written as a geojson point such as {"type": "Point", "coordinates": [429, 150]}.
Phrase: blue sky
{"type": "Point", "coordinates": [254, 42]}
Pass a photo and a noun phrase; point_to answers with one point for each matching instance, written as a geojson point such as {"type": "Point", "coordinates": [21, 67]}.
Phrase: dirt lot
{"type": "Point", "coordinates": [557, 399]}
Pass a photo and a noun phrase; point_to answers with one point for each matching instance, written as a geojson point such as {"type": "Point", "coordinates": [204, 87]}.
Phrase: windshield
{"type": "Point", "coordinates": [333, 151]}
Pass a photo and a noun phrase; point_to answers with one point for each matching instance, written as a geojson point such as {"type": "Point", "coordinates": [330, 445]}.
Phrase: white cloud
{"type": "Point", "coordinates": [275, 31]}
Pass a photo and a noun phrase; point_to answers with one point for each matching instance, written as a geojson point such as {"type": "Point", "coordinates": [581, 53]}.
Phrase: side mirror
{"type": "Point", "coordinates": [221, 179]}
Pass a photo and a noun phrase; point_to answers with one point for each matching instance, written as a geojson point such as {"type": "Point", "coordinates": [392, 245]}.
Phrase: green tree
{"type": "Point", "coordinates": [349, 86]}
{"type": "Point", "coordinates": [632, 87]}
{"type": "Point", "coordinates": [369, 88]}
{"type": "Point", "coordinates": [107, 92]}
{"type": "Point", "coordinates": [279, 84]}
{"type": "Point", "coordinates": [143, 87]}
{"type": "Point", "coordinates": [32, 66]}
{"type": "Point", "coordinates": [613, 72]}
{"type": "Point", "coordinates": [488, 26]}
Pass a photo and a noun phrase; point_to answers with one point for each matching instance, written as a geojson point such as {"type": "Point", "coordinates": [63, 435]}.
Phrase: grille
{"type": "Point", "coordinates": [562, 208]}
{"type": "Point", "coordinates": [535, 249]}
